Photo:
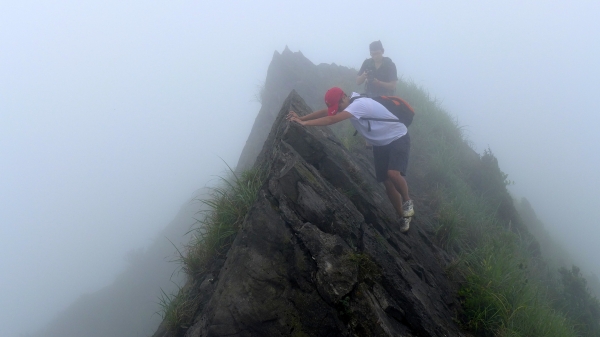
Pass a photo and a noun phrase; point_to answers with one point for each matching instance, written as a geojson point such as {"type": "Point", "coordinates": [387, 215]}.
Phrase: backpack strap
{"type": "Point", "coordinates": [356, 97]}
{"type": "Point", "coordinates": [369, 119]}
{"type": "Point", "coordinates": [379, 120]}
{"type": "Point", "coordinates": [352, 99]}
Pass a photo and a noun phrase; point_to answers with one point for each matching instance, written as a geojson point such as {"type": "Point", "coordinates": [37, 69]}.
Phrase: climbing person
{"type": "Point", "coordinates": [382, 129]}
{"type": "Point", "coordinates": [378, 72]}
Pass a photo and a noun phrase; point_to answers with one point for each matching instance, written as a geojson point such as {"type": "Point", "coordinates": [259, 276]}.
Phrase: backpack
{"type": "Point", "coordinates": [396, 105]}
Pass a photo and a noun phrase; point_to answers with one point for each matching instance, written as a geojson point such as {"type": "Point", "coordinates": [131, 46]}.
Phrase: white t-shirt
{"type": "Point", "coordinates": [382, 133]}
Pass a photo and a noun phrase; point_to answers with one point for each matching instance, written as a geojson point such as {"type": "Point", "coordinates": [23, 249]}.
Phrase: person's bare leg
{"type": "Point", "coordinates": [394, 196]}
{"type": "Point", "coordinates": [399, 183]}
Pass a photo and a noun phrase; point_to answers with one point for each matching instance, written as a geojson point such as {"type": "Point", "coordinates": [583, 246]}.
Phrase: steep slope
{"type": "Point", "coordinates": [319, 253]}
{"type": "Point", "coordinates": [128, 307]}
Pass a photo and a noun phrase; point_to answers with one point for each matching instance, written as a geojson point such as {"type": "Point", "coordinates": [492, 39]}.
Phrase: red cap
{"type": "Point", "coordinates": [332, 100]}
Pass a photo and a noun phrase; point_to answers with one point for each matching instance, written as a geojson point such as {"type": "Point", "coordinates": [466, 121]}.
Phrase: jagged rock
{"type": "Point", "coordinates": [320, 254]}
{"type": "Point", "coordinates": [291, 71]}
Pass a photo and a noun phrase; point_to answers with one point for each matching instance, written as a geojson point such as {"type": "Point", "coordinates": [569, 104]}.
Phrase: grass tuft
{"type": "Point", "coordinates": [211, 239]}
{"type": "Point", "coordinates": [177, 310]}
{"type": "Point", "coordinates": [502, 298]}
{"type": "Point", "coordinates": [367, 269]}
{"type": "Point", "coordinates": [220, 222]}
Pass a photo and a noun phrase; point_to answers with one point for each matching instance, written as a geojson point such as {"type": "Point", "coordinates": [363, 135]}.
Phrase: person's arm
{"type": "Point", "coordinates": [327, 120]}
{"type": "Point", "coordinates": [360, 79]}
{"type": "Point", "coordinates": [362, 74]}
{"type": "Point", "coordinates": [314, 115]}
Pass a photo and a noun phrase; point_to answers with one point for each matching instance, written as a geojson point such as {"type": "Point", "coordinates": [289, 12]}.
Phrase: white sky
{"type": "Point", "coordinates": [113, 113]}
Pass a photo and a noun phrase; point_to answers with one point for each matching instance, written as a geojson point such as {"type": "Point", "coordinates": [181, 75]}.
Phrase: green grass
{"type": "Point", "coordinates": [367, 269]}
{"type": "Point", "coordinates": [502, 297]}
{"type": "Point", "coordinates": [177, 310]}
{"type": "Point", "coordinates": [212, 237]}
{"type": "Point", "coordinates": [220, 222]}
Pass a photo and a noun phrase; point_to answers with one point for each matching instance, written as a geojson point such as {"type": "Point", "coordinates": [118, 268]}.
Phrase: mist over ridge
{"type": "Point", "coordinates": [295, 218]}
{"type": "Point", "coordinates": [284, 70]}
{"type": "Point", "coordinates": [108, 110]}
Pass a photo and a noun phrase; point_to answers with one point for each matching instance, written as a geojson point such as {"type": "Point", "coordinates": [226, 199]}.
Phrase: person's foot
{"type": "Point", "coordinates": [404, 225]}
{"type": "Point", "coordinates": [408, 209]}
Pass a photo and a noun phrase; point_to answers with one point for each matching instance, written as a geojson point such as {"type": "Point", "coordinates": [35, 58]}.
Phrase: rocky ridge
{"type": "Point", "coordinates": [291, 71]}
{"type": "Point", "coordinates": [320, 254]}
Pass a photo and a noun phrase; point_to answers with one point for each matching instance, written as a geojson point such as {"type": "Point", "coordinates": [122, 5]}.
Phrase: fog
{"type": "Point", "coordinates": [113, 113]}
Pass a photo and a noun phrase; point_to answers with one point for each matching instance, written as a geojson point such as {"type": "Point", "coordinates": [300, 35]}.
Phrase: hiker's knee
{"type": "Point", "coordinates": [393, 174]}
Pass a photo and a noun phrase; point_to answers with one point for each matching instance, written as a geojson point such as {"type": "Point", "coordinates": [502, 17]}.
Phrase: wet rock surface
{"type": "Point", "coordinates": [320, 253]}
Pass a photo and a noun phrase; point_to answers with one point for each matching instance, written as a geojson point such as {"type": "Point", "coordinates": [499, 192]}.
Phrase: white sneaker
{"type": "Point", "coordinates": [407, 209]}
{"type": "Point", "coordinates": [404, 225]}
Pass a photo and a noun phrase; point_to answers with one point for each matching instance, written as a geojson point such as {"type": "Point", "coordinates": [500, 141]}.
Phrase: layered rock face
{"type": "Point", "coordinates": [320, 254]}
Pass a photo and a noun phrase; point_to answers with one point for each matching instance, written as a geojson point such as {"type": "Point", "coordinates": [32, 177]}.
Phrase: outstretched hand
{"type": "Point", "coordinates": [293, 117]}
{"type": "Point", "coordinates": [291, 114]}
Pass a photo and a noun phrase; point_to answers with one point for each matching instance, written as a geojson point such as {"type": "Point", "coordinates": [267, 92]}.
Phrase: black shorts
{"type": "Point", "coordinates": [393, 156]}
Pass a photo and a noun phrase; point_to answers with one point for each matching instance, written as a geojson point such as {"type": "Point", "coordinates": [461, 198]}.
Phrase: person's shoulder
{"type": "Point", "coordinates": [357, 103]}
{"type": "Point", "coordinates": [390, 66]}
{"type": "Point", "coordinates": [355, 97]}
{"type": "Point", "coordinates": [364, 66]}
{"type": "Point", "coordinates": [363, 103]}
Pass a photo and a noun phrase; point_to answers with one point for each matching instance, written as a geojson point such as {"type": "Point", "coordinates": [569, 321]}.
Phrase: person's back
{"type": "Point", "coordinates": [378, 131]}
{"type": "Point", "coordinates": [378, 72]}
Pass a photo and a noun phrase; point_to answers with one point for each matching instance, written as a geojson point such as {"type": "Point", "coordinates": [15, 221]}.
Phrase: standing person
{"type": "Point", "coordinates": [389, 137]}
{"type": "Point", "coordinates": [379, 72]}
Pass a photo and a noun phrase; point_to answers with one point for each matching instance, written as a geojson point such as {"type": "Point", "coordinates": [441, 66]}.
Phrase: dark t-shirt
{"type": "Point", "coordinates": [386, 73]}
